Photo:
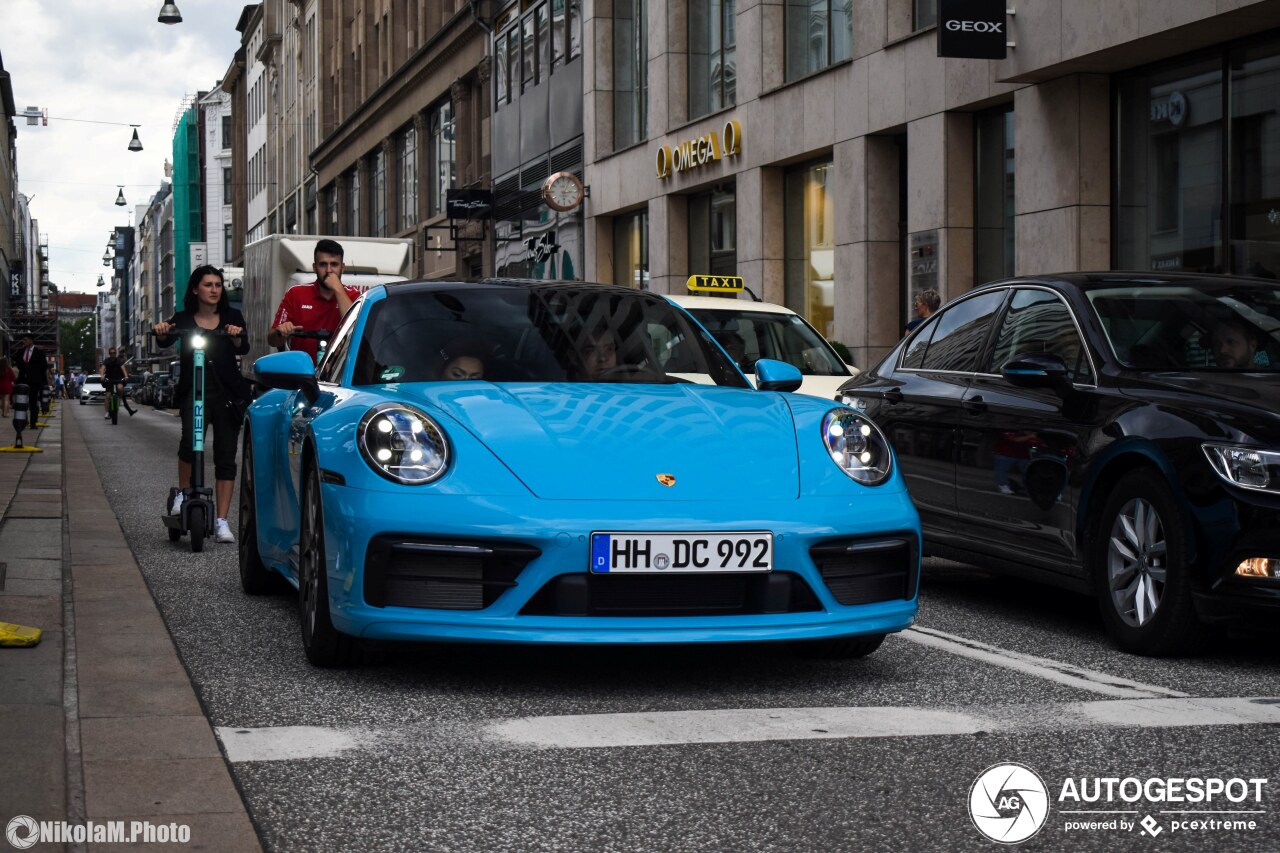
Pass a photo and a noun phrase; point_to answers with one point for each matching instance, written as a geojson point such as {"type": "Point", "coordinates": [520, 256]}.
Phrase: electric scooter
{"type": "Point", "coordinates": [197, 512]}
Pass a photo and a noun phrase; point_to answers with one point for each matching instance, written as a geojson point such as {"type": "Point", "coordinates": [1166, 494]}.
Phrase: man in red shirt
{"type": "Point", "coordinates": [316, 306]}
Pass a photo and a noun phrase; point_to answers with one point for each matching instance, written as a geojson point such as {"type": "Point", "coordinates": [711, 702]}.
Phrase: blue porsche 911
{"type": "Point", "coordinates": [550, 462]}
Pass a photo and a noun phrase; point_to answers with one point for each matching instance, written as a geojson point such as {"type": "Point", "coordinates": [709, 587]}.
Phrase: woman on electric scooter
{"type": "Point", "coordinates": [206, 307]}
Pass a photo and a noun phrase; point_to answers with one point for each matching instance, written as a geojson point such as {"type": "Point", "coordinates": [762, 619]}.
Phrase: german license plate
{"type": "Point", "coordinates": [681, 553]}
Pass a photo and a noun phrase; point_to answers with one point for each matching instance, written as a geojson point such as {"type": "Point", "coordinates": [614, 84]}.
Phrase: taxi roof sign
{"type": "Point", "coordinates": [716, 283]}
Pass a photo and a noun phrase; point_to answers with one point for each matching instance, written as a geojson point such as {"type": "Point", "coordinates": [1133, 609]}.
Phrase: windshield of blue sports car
{"type": "Point", "coordinates": [541, 333]}
{"type": "Point", "coordinates": [1210, 325]}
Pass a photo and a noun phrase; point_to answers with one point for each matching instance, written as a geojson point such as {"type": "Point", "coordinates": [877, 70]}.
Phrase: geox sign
{"type": "Point", "coordinates": [972, 29]}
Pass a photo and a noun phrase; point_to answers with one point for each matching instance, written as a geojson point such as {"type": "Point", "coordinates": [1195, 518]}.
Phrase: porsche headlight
{"type": "Point", "coordinates": [857, 446]}
{"type": "Point", "coordinates": [1245, 466]}
{"type": "Point", "coordinates": [403, 444]}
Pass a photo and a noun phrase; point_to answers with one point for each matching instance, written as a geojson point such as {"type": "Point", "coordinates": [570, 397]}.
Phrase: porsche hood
{"type": "Point", "coordinates": [629, 442]}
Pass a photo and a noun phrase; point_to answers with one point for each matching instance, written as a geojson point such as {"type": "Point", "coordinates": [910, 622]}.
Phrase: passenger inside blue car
{"type": "Point", "coordinates": [462, 360]}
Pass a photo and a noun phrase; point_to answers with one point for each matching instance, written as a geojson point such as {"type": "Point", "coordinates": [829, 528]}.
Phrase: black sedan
{"type": "Point", "coordinates": [1112, 433]}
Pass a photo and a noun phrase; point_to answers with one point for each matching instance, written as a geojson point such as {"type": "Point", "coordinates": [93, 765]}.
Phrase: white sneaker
{"type": "Point", "coordinates": [107, 416]}
{"type": "Point", "coordinates": [222, 531]}
{"type": "Point", "coordinates": [177, 503]}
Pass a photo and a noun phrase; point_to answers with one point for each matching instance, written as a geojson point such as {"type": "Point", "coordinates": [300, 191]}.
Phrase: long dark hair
{"type": "Point", "coordinates": [191, 303]}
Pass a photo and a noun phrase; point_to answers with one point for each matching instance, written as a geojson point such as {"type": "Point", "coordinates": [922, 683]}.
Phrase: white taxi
{"type": "Point", "coordinates": [750, 330]}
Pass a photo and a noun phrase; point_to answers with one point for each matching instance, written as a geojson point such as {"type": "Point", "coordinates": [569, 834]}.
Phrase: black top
{"type": "Point", "coordinates": [220, 354]}
{"type": "Point", "coordinates": [113, 368]}
{"type": "Point", "coordinates": [33, 373]}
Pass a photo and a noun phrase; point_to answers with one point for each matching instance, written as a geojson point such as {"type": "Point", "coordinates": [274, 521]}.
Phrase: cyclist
{"type": "Point", "coordinates": [206, 307]}
{"type": "Point", "coordinates": [114, 373]}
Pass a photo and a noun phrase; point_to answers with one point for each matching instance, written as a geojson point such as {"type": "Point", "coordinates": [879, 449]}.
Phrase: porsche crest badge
{"type": "Point", "coordinates": [667, 479]}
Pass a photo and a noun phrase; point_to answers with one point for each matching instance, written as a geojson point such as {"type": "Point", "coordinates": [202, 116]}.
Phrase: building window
{"type": "Point", "coordinates": [529, 48]}
{"type": "Point", "coordinates": [630, 73]}
{"type": "Point", "coordinates": [713, 75]}
{"type": "Point", "coordinates": [379, 200]}
{"type": "Point", "coordinates": [354, 225]}
{"type": "Point", "coordinates": [810, 239]}
{"type": "Point", "coordinates": [631, 250]}
{"type": "Point", "coordinates": [993, 254]}
{"type": "Point", "coordinates": [713, 232]}
{"type": "Point", "coordinates": [924, 13]}
{"type": "Point", "coordinates": [1254, 209]}
{"type": "Point", "coordinates": [331, 210]}
{"type": "Point", "coordinates": [443, 164]}
{"type": "Point", "coordinates": [1172, 140]}
{"type": "Point", "coordinates": [226, 132]}
{"type": "Point", "coordinates": [226, 243]}
{"type": "Point", "coordinates": [226, 186]}
{"type": "Point", "coordinates": [408, 178]}
{"type": "Point", "coordinates": [818, 34]}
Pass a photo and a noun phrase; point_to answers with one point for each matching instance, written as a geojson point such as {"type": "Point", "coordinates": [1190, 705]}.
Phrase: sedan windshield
{"type": "Point", "coordinates": [546, 333]}
{"type": "Point", "coordinates": [1196, 326]}
{"type": "Point", "coordinates": [749, 336]}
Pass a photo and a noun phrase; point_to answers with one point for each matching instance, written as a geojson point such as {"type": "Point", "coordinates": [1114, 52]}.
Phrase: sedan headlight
{"type": "Point", "coordinates": [403, 444]}
{"type": "Point", "coordinates": [857, 446]}
{"type": "Point", "coordinates": [1247, 467]}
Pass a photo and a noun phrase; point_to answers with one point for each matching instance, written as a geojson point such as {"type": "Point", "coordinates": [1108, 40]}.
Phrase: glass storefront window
{"type": "Point", "coordinates": [993, 255]}
{"type": "Point", "coordinates": [713, 41]}
{"type": "Point", "coordinates": [713, 232]}
{"type": "Point", "coordinates": [810, 245]}
{"type": "Point", "coordinates": [408, 178]}
{"type": "Point", "coordinates": [1169, 168]}
{"type": "Point", "coordinates": [379, 194]}
{"type": "Point", "coordinates": [442, 156]}
{"type": "Point", "coordinates": [924, 13]}
{"type": "Point", "coordinates": [353, 201]}
{"type": "Point", "coordinates": [1255, 160]}
{"type": "Point", "coordinates": [631, 250]}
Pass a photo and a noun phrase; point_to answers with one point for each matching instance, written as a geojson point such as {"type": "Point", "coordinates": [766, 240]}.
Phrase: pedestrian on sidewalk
{"type": "Point", "coordinates": [33, 371]}
{"type": "Point", "coordinates": [226, 392]}
{"type": "Point", "coordinates": [7, 377]}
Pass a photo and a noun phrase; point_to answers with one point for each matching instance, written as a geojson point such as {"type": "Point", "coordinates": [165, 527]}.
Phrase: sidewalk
{"type": "Point", "coordinates": [100, 721]}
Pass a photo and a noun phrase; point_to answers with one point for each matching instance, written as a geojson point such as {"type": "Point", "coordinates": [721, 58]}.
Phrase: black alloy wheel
{"type": "Point", "coordinates": [255, 578]}
{"type": "Point", "coordinates": [323, 644]}
{"type": "Point", "coordinates": [1142, 569]}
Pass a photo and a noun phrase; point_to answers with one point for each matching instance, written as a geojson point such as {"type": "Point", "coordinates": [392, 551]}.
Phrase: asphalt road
{"type": "Point", "coordinates": [462, 747]}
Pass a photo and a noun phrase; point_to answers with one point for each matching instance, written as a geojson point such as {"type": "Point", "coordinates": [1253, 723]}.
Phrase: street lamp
{"type": "Point", "coordinates": [169, 14]}
{"type": "Point", "coordinates": [120, 202]}
{"type": "Point", "coordinates": [101, 283]}
{"type": "Point", "coordinates": [106, 258]}
{"type": "Point", "coordinates": [135, 144]}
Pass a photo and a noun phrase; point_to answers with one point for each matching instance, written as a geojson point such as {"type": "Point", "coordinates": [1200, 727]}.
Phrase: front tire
{"type": "Point", "coordinates": [255, 578]}
{"type": "Point", "coordinates": [1143, 571]}
{"type": "Point", "coordinates": [837, 648]}
{"type": "Point", "coordinates": [323, 644]}
{"type": "Point", "coordinates": [195, 516]}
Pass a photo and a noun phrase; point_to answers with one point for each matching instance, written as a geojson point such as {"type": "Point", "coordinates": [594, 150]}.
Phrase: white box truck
{"type": "Point", "coordinates": [274, 264]}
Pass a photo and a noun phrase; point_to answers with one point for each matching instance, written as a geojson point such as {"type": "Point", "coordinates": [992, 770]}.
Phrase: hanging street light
{"type": "Point", "coordinates": [135, 144]}
{"type": "Point", "coordinates": [120, 202]}
{"type": "Point", "coordinates": [169, 14]}
{"type": "Point", "coordinates": [101, 283]}
{"type": "Point", "coordinates": [106, 259]}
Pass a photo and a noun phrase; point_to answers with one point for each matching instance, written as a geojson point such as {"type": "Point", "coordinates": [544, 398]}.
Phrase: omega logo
{"type": "Point", "coordinates": [975, 26]}
{"type": "Point", "coordinates": [699, 151]}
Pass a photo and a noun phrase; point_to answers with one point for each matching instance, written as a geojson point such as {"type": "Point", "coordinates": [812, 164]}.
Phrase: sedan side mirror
{"type": "Point", "coordinates": [288, 371]}
{"type": "Point", "coordinates": [1036, 370]}
{"type": "Point", "coordinates": [774, 375]}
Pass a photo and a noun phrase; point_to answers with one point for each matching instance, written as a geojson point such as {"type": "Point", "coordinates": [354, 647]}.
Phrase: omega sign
{"type": "Point", "coordinates": [700, 150]}
{"type": "Point", "coordinates": [972, 29]}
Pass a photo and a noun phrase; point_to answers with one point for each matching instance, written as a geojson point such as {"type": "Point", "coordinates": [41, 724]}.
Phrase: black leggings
{"type": "Point", "coordinates": [226, 428]}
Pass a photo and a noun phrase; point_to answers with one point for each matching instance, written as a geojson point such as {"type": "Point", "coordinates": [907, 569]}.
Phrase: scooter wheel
{"type": "Point", "coordinates": [195, 516]}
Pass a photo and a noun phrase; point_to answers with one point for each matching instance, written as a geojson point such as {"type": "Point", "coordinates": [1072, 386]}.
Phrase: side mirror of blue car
{"type": "Point", "coordinates": [773, 375]}
{"type": "Point", "coordinates": [288, 371]}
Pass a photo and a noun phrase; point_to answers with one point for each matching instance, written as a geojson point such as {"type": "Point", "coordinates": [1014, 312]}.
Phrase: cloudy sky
{"type": "Point", "coordinates": [88, 61]}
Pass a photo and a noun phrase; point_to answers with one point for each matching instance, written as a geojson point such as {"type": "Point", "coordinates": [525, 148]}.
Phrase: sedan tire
{"type": "Point", "coordinates": [1142, 570]}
